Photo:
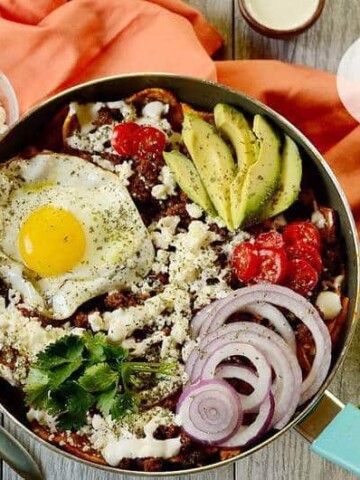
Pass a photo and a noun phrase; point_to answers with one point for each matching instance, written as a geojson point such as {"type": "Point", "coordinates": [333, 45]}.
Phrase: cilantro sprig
{"type": "Point", "coordinates": [78, 373]}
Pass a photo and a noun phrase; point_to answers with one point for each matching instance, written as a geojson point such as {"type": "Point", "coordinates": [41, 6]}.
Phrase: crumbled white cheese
{"type": "Point", "coordinates": [96, 322]}
{"type": "Point", "coordinates": [237, 238]}
{"type": "Point", "coordinates": [279, 221]}
{"type": "Point", "coordinates": [318, 219]}
{"type": "Point", "coordinates": [124, 171]}
{"type": "Point", "coordinates": [152, 114]}
{"type": "Point", "coordinates": [192, 255]}
{"type": "Point", "coordinates": [98, 141]}
{"type": "Point", "coordinates": [161, 262]}
{"type": "Point", "coordinates": [159, 192]}
{"type": "Point", "coordinates": [167, 187]}
{"type": "Point", "coordinates": [43, 418]}
{"type": "Point", "coordinates": [329, 303]}
{"type": "Point", "coordinates": [25, 334]}
{"type": "Point", "coordinates": [163, 232]}
{"type": "Point", "coordinates": [194, 210]}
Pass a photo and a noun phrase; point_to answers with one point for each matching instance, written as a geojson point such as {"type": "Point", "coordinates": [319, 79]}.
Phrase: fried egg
{"type": "Point", "coordinates": [69, 231]}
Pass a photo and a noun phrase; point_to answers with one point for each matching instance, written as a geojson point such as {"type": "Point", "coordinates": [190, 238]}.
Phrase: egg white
{"type": "Point", "coordinates": [118, 251]}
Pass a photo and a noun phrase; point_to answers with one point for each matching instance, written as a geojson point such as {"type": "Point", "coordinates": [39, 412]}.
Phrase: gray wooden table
{"type": "Point", "coordinates": [289, 458]}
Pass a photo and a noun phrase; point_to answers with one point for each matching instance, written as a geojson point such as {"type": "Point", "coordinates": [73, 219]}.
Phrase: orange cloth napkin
{"type": "Point", "coordinates": [48, 45]}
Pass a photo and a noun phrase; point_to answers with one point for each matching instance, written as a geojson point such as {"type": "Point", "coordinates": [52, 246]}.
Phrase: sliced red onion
{"type": "Point", "coordinates": [200, 318]}
{"type": "Point", "coordinates": [210, 411]}
{"type": "Point", "coordinates": [252, 402]}
{"type": "Point", "coordinates": [295, 303]}
{"type": "Point", "coordinates": [249, 434]}
{"type": "Point", "coordinates": [288, 377]}
{"type": "Point", "coordinates": [276, 318]}
{"type": "Point", "coordinates": [256, 358]}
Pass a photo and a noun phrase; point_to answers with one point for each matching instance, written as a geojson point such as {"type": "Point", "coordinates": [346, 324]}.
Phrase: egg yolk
{"type": "Point", "coordinates": [51, 241]}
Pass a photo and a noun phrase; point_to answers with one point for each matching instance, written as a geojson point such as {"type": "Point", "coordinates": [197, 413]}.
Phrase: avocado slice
{"type": "Point", "coordinates": [213, 160]}
{"type": "Point", "coordinates": [290, 179]}
{"type": "Point", "coordinates": [234, 126]}
{"type": "Point", "coordinates": [263, 176]}
{"type": "Point", "coordinates": [189, 180]}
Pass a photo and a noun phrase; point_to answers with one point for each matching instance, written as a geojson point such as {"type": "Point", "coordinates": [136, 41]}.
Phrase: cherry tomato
{"type": "Point", "coordinates": [302, 277]}
{"type": "Point", "coordinates": [305, 251]}
{"type": "Point", "coordinates": [245, 261]}
{"type": "Point", "coordinates": [302, 232]}
{"type": "Point", "coordinates": [272, 239]}
{"type": "Point", "coordinates": [273, 266]}
{"type": "Point", "coordinates": [149, 143]}
{"type": "Point", "coordinates": [123, 138]}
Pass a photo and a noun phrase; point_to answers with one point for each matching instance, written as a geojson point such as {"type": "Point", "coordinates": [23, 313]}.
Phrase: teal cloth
{"type": "Point", "coordinates": [340, 441]}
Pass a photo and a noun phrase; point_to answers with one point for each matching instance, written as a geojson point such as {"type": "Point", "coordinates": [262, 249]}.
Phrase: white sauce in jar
{"type": "Point", "coordinates": [282, 14]}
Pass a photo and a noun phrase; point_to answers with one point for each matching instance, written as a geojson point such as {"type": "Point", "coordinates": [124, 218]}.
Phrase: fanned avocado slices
{"type": "Point", "coordinates": [189, 180]}
{"type": "Point", "coordinates": [265, 181]}
{"type": "Point", "coordinates": [213, 160]}
{"type": "Point", "coordinates": [233, 126]}
{"type": "Point", "coordinates": [290, 179]}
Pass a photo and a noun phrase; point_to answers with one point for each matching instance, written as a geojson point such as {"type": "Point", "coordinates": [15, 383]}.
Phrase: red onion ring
{"type": "Point", "coordinates": [200, 318]}
{"type": "Point", "coordinates": [287, 385]}
{"type": "Point", "coordinates": [210, 411]}
{"type": "Point", "coordinates": [246, 435]}
{"type": "Point", "coordinates": [264, 378]}
{"type": "Point", "coordinates": [276, 318]}
{"type": "Point", "coordinates": [251, 402]}
{"type": "Point", "coordinates": [295, 303]}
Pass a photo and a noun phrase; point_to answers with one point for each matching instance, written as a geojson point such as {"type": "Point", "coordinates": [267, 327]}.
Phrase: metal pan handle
{"type": "Point", "coordinates": [334, 432]}
{"type": "Point", "coordinates": [15, 455]}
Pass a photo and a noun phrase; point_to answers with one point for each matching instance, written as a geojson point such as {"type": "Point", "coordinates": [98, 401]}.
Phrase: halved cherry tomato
{"type": "Point", "coordinates": [302, 277]}
{"type": "Point", "coordinates": [305, 251]}
{"type": "Point", "coordinates": [123, 138]}
{"type": "Point", "coordinates": [245, 261]}
{"type": "Point", "coordinates": [271, 239]}
{"type": "Point", "coordinates": [273, 266]}
{"type": "Point", "coordinates": [149, 143]}
{"type": "Point", "coordinates": [302, 232]}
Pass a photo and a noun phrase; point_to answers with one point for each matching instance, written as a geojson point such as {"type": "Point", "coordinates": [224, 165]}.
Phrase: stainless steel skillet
{"type": "Point", "coordinates": [204, 95]}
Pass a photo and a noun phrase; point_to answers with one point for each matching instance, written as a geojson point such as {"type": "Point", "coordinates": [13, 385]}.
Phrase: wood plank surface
{"type": "Point", "coordinates": [288, 458]}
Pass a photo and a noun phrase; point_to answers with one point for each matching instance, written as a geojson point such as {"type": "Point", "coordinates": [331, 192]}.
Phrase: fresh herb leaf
{"type": "Point", "coordinates": [116, 353]}
{"type": "Point", "coordinates": [95, 346]}
{"type": "Point", "coordinates": [77, 403]}
{"type": "Point", "coordinates": [98, 378]}
{"type": "Point", "coordinates": [61, 374]}
{"type": "Point", "coordinates": [105, 401]}
{"type": "Point", "coordinates": [124, 403]}
{"type": "Point", "coordinates": [37, 388]}
{"type": "Point", "coordinates": [66, 350]}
